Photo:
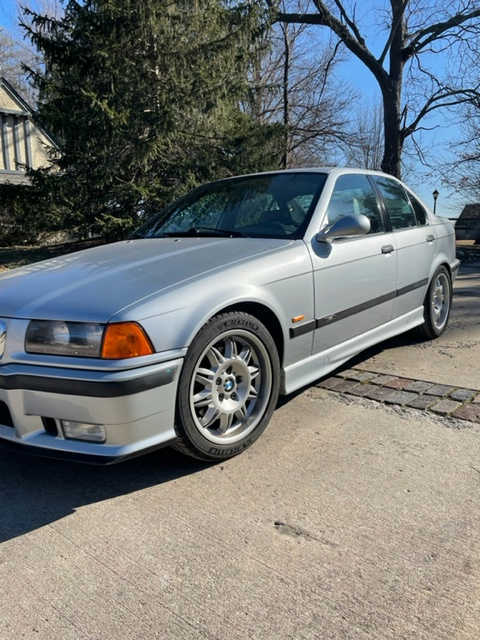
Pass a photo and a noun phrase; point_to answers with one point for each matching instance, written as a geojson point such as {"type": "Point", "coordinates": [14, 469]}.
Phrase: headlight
{"type": "Point", "coordinates": [87, 340]}
{"type": "Point", "coordinates": [64, 338]}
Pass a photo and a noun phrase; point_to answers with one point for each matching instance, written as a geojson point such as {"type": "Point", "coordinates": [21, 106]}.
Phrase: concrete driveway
{"type": "Point", "coordinates": [347, 519]}
{"type": "Point", "coordinates": [452, 359]}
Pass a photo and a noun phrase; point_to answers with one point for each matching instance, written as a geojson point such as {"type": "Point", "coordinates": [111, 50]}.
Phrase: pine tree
{"type": "Point", "coordinates": [143, 100]}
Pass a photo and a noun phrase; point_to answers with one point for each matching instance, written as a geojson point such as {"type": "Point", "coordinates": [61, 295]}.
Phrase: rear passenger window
{"type": "Point", "coordinates": [397, 203]}
{"type": "Point", "coordinates": [353, 195]}
{"type": "Point", "coordinates": [419, 210]}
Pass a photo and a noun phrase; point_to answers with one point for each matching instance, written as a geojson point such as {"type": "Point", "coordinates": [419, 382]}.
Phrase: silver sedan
{"type": "Point", "coordinates": [187, 333]}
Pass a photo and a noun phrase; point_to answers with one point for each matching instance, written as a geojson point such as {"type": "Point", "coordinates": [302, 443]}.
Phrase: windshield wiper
{"type": "Point", "coordinates": [202, 231]}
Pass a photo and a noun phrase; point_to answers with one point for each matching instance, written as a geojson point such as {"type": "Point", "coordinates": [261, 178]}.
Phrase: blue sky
{"type": "Point", "coordinates": [8, 12]}
{"type": "Point", "coordinates": [434, 142]}
{"type": "Point", "coordinates": [445, 125]}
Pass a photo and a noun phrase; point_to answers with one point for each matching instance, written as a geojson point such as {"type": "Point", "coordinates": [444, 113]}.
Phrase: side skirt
{"type": "Point", "coordinates": [302, 373]}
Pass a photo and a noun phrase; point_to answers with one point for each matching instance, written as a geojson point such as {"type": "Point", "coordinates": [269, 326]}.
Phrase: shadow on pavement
{"type": "Point", "coordinates": [37, 491]}
{"type": "Point", "coordinates": [465, 314]}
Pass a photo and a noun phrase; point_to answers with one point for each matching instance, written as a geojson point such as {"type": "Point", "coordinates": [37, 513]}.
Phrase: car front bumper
{"type": "Point", "coordinates": [136, 407]}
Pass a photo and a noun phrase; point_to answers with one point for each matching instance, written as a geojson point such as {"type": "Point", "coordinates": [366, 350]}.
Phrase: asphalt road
{"type": "Point", "coordinates": [345, 520]}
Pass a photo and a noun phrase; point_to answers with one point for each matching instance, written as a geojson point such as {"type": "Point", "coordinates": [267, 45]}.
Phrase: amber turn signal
{"type": "Point", "coordinates": [125, 340]}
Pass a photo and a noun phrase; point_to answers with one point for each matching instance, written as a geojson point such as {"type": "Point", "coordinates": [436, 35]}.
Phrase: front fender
{"type": "Point", "coordinates": [246, 294]}
{"type": "Point", "coordinates": [178, 328]}
{"type": "Point", "coordinates": [281, 282]}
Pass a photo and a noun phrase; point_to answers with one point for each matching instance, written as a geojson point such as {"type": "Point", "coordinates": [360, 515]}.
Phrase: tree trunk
{"type": "Point", "coordinates": [393, 146]}
{"type": "Point", "coordinates": [257, 89]}
{"type": "Point", "coordinates": [392, 95]}
{"type": "Point", "coordinates": [286, 103]}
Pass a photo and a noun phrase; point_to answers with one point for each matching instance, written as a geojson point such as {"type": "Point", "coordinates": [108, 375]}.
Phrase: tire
{"type": "Point", "coordinates": [437, 305]}
{"type": "Point", "coordinates": [228, 387]}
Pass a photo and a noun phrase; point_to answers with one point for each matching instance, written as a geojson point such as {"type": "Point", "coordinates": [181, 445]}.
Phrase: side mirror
{"type": "Point", "coordinates": [345, 227]}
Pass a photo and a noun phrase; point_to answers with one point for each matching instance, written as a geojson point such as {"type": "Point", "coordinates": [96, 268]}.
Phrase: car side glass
{"type": "Point", "coordinates": [353, 195]}
{"type": "Point", "coordinates": [420, 211]}
{"type": "Point", "coordinates": [397, 204]}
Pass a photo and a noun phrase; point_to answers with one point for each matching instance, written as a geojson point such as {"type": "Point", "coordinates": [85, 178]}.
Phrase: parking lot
{"type": "Point", "coordinates": [347, 519]}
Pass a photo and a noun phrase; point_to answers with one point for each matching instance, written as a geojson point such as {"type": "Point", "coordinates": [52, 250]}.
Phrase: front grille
{"type": "Point", "coordinates": [50, 426]}
{"type": "Point", "coordinates": [5, 415]}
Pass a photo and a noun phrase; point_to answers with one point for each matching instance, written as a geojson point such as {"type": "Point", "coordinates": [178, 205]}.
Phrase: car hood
{"type": "Point", "coordinates": [95, 284]}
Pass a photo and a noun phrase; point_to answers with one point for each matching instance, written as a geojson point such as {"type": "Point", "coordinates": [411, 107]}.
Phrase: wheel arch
{"type": "Point", "coordinates": [449, 269]}
{"type": "Point", "coordinates": [441, 262]}
{"type": "Point", "coordinates": [266, 316]}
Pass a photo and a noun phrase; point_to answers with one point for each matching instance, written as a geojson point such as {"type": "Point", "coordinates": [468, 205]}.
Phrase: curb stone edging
{"type": "Point", "coordinates": [441, 399]}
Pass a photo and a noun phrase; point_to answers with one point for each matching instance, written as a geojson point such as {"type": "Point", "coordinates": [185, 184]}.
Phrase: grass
{"type": "Point", "coordinates": [17, 256]}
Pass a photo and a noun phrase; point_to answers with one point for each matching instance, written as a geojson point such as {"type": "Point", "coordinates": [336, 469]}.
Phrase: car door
{"type": "Point", "coordinates": [415, 242]}
{"type": "Point", "coordinates": [354, 278]}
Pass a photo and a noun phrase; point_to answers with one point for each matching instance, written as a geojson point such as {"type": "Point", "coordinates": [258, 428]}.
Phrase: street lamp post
{"type": "Point", "coordinates": [435, 198]}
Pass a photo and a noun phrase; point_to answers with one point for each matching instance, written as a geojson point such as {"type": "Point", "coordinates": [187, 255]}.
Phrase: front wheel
{"type": "Point", "coordinates": [437, 305]}
{"type": "Point", "coordinates": [228, 388]}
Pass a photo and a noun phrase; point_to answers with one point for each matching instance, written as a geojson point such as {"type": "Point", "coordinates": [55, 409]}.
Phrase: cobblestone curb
{"type": "Point", "coordinates": [442, 399]}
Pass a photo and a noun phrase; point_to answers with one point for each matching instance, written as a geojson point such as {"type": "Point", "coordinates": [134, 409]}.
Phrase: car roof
{"type": "Point", "coordinates": [327, 170]}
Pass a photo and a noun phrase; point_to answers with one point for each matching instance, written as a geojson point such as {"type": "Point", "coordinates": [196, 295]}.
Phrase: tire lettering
{"type": "Point", "coordinates": [228, 452]}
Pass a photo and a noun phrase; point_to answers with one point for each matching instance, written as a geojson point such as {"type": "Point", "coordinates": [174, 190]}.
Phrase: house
{"type": "Point", "coordinates": [23, 144]}
{"type": "Point", "coordinates": [468, 224]}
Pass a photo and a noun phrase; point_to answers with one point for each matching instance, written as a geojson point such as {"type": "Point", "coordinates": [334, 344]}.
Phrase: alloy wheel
{"type": "Point", "coordinates": [440, 300]}
{"type": "Point", "coordinates": [230, 386]}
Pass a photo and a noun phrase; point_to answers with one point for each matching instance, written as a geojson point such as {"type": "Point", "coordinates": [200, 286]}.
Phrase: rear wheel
{"type": "Point", "coordinates": [437, 305]}
{"type": "Point", "coordinates": [228, 388]}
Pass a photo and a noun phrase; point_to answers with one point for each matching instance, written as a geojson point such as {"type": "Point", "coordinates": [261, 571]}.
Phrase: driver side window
{"type": "Point", "coordinates": [353, 195]}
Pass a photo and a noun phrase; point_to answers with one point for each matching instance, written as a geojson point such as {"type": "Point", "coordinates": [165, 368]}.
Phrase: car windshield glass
{"type": "Point", "coordinates": [273, 206]}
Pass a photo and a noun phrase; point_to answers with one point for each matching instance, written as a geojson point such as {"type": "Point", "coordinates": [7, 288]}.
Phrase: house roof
{"type": "Point", "coordinates": [24, 107]}
{"type": "Point", "coordinates": [470, 212]}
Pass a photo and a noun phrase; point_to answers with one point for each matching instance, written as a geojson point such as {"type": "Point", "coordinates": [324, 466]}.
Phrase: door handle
{"type": "Point", "coordinates": [430, 238]}
{"type": "Point", "coordinates": [388, 248]}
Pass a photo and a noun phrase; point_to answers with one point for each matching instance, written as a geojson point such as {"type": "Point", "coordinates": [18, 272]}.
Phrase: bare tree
{"type": "Point", "coordinates": [416, 29]}
{"type": "Point", "coordinates": [16, 52]}
{"type": "Point", "coordinates": [302, 94]}
{"type": "Point", "coordinates": [12, 55]}
{"type": "Point", "coordinates": [366, 148]}
{"type": "Point", "coordinates": [462, 173]}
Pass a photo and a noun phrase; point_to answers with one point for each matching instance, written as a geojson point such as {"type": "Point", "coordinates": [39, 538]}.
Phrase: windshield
{"type": "Point", "coordinates": [272, 206]}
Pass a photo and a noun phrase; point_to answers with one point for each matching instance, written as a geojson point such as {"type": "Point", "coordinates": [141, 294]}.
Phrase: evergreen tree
{"type": "Point", "coordinates": [143, 100]}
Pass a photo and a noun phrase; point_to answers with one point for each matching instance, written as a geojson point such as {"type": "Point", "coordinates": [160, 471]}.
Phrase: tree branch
{"type": "Point", "coordinates": [437, 101]}
{"type": "Point", "coordinates": [325, 18]}
{"type": "Point", "coordinates": [435, 31]}
{"type": "Point", "coordinates": [395, 24]}
{"type": "Point", "coordinates": [351, 23]}
{"type": "Point", "coordinates": [300, 18]}
{"type": "Point", "coordinates": [328, 66]}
